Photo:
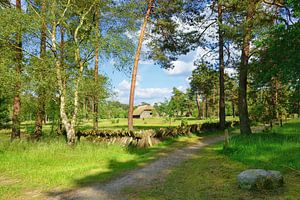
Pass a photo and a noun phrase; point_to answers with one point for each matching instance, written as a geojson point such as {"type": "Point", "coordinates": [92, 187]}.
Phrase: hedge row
{"type": "Point", "coordinates": [146, 138]}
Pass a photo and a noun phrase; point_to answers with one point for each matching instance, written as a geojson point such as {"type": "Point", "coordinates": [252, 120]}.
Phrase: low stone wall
{"type": "Point", "coordinates": [147, 138]}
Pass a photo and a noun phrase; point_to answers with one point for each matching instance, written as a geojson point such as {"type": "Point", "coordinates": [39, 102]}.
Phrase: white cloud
{"type": "Point", "coordinates": [149, 95]}
{"type": "Point", "coordinates": [182, 88]}
{"type": "Point", "coordinates": [181, 68]}
{"type": "Point", "coordinates": [124, 85]}
{"type": "Point", "coordinates": [231, 72]}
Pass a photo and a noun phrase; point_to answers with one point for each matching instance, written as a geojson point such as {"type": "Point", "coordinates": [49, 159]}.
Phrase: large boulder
{"type": "Point", "coordinates": [260, 179]}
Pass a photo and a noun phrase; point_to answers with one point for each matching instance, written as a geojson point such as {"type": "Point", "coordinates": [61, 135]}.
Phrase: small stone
{"type": "Point", "coordinates": [260, 179]}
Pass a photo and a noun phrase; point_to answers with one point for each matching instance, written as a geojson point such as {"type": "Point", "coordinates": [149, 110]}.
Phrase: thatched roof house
{"type": "Point", "coordinates": [145, 111]}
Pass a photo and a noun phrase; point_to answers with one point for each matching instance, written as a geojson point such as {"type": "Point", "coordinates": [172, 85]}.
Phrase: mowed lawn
{"type": "Point", "coordinates": [29, 170]}
{"type": "Point", "coordinates": [212, 172]}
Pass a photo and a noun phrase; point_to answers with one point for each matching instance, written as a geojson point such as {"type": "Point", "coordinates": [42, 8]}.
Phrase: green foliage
{"type": "Point", "coordinates": [279, 55]}
{"type": "Point", "coordinates": [203, 79]}
{"type": "Point", "coordinates": [4, 112]}
{"type": "Point", "coordinates": [113, 109]}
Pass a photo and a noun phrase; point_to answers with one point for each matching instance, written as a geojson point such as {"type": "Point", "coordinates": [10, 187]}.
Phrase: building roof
{"type": "Point", "coordinates": [139, 110]}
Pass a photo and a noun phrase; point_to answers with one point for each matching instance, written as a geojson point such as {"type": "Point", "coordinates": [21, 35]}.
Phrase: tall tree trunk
{"type": "Point", "coordinates": [299, 101]}
{"type": "Point", "coordinates": [213, 108]}
{"type": "Point", "coordinates": [198, 105]}
{"type": "Point", "coordinates": [206, 107]}
{"type": "Point", "coordinates": [222, 115]}
{"type": "Point", "coordinates": [135, 67]}
{"type": "Point", "coordinates": [41, 91]}
{"type": "Point", "coordinates": [243, 71]}
{"type": "Point", "coordinates": [203, 107]}
{"type": "Point", "coordinates": [16, 133]}
{"type": "Point", "coordinates": [60, 79]}
{"type": "Point", "coordinates": [96, 73]}
{"type": "Point", "coordinates": [62, 64]}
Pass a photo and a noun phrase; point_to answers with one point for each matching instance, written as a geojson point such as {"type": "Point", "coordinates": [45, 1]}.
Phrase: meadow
{"type": "Point", "coordinates": [30, 170]}
{"type": "Point", "coordinates": [212, 172]}
{"type": "Point", "coordinates": [28, 167]}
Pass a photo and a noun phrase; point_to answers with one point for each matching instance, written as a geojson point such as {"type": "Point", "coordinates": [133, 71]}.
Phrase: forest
{"type": "Point", "coordinates": [57, 105]}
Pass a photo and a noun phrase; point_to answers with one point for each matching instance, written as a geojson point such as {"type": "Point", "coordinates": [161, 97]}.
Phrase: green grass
{"type": "Point", "coordinates": [277, 149]}
{"type": "Point", "coordinates": [211, 173]}
{"type": "Point", "coordinates": [27, 167]}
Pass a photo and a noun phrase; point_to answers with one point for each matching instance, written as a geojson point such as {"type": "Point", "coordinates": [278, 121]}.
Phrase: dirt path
{"type": "Point", "coordinates": [142, 176]}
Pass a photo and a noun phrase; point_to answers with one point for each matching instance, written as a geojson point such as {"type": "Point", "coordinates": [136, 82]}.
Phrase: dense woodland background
{"type": "Point", "coordinates": [51, 51]}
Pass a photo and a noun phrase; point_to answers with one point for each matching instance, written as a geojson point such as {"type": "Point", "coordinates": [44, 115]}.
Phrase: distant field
{"type": "Point", "coordinates": [146, 123]}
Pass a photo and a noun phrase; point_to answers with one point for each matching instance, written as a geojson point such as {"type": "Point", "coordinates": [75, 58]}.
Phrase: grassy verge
{"type": "Point", "coordinates": [211, 174]}
{"type": "Point", "coordinates": [28, 168]}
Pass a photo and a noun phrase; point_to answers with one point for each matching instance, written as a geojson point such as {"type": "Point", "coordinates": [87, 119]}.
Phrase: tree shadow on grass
{"type": "Point", "coordinates": [96, 182]}
{"type": "Point", "coordinates": [266, 150]}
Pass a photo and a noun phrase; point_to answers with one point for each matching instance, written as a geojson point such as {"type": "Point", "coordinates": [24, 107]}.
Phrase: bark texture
{"type": "Point", "coordinates": [68, 124]}
{"type": "Point", "coordinates": [198, 105]}
{"type": "Point", "coordinates": [40, 114]}
{"type": "Point", "coordinates": [243, 71]}
{"type": "Point", "coordinates": [221, 68]}
{"type": "Point", "coordinates": [135, 67]}
{"type": "Point", "coordinates": [96, 73]}
{"type": "Point", "coordinates": [16, 133]}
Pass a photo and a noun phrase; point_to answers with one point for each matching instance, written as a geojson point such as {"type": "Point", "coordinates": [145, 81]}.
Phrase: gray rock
{"type": "Point", "coordinates": [260, 179]}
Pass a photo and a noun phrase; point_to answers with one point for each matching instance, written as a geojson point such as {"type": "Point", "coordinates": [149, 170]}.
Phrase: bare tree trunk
{"type": "Point", "coordinates": [243, 71]}
{"type": "Point", "coordinates": [213, 108]}
{"type": "Point", "coordinates": [96, 73]}
{"type": "Point", "coordinates": [41, 93]}
{"type": "Point", "coordinates": [203, 107]}
{"type": "Point", "coordinates": [299, 102]}
{"type": "Point", "coordinates": [62, 64]}
{"type": "Point", "coordinates": [135, 67]}
{"type": "Point", "coordinates": [16, 133]}
{"type": "Point", "coordinates": [206, 107]}
{"type": "Point", "coordinates": [198, 105]}
{"type": "Point", "coordinates": [222, 115]}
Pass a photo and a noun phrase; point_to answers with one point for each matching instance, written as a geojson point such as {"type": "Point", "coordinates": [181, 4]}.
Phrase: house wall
{"type": "Point", "coordinates": [146, 114]}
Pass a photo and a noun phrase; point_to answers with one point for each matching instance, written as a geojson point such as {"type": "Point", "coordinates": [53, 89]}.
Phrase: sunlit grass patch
{"type": "Point", "coordinates": [212, 173]}
{"type": "Point", "coordinates": [53, 164]}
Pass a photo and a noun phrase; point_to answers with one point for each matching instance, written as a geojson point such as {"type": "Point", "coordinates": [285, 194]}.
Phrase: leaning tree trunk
{"type": "Point", "coordinates": [17, 100]}
{"type": "Point", "coordinates": [135, 67]}
{"type": "Point", "coordinates": [41, 91]}
{"type": "Point", "coordinates": [221, 68]}
{"type": "Point", "coordinates": [243, 71]}
{"type": "Point", "coordinates": [96, 73]}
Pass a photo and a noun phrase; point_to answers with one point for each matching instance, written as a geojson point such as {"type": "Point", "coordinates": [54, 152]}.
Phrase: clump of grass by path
{"type": "Point", "coordinates": [276, 149]}
{"type": "Point", "coordinates": [49, 164]}
{"type": "Point", "coordinates": [211, 173]}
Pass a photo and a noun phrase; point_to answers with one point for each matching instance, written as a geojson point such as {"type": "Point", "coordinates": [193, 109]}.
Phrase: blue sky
{"type": "Point", "coordinates": [153, 83]}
